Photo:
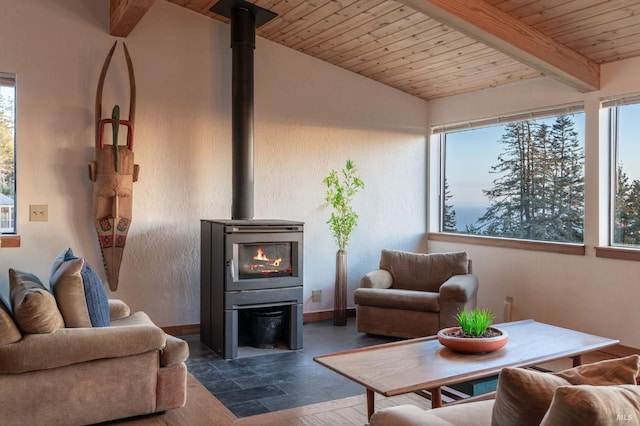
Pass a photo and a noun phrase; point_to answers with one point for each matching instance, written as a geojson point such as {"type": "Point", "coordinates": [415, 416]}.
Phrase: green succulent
{"type": "Point", "coordinates": [475, 322]}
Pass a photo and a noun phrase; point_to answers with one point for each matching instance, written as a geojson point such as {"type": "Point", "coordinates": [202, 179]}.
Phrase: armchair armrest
{"type": "Point", "coordinates": [75, 345]}
{"type": "Point", "coordinates": [379, 278]}
{"type": "Point", "coordinates": [118, 309]}
{"type": "Point", "coordinates": [456, 294]}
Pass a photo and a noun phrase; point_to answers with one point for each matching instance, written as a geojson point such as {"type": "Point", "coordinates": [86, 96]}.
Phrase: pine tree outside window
{"type": "Point", "coordinates": [7, 153]}
{"type": "Point", "coordinates": [625, 148]}
{"type": "Point", "coordinates": [521, 179]}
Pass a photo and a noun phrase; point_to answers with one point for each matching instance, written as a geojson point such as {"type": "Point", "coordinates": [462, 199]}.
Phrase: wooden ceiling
{"type": "Point", "coordinates": [436, 48]}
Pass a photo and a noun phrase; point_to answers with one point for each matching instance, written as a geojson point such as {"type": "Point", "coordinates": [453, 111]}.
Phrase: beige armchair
{"type": "Point", "coordinates": [414, 294]}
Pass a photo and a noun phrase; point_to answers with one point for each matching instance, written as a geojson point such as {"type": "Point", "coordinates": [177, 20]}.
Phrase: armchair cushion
{"type": "Point", "coordinates": [424, 301]}
{"type": "Point", "coordinates": [524, 396]}
{"type": "Point", "coordinates": [425, 272]}
{"type": "Point", "coordinates": [9, 332]}
{"type": "Point", "coordinates": [34, 308]}
{"type": "Point", "coordinates": [594, 405]}
{"type": "Point", "coordinates": [79, 292]}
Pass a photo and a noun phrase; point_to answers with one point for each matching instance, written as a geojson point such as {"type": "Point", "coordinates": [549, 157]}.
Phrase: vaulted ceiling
{"type": "Point", "coordinates": [436, 48]}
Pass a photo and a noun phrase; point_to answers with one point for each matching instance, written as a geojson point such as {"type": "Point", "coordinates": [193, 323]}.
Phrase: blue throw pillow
{"type": "Point", "coordinates": [94, 293]}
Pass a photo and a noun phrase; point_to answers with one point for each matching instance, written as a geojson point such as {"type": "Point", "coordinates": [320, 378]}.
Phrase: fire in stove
{"type": "Point", "coordinates": [265, 260]}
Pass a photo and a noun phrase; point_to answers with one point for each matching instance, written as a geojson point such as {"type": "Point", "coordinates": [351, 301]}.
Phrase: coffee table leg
{"type": "Point", "coordinates": [577, 360]}
{"type": "Point", "coordinates": [436, 397]}
{"type": "Point", "coordinates": [370, 403]}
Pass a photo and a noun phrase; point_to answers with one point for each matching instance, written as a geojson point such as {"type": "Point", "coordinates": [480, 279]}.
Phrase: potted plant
{"type": "Point", "coordinates": [341, 188]}
{"type": "Point", "coordinates": [474, 333]}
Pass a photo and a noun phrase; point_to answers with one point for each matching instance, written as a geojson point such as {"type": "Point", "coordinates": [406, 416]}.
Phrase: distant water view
{"type": "Point", "coordinates": [468, 214]}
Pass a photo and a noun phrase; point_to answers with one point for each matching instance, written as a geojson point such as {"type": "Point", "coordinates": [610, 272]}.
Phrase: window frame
{"type": "Point", "coordinates": [438, 148]}
{"type": "Point", "coordinates": [12, 239]}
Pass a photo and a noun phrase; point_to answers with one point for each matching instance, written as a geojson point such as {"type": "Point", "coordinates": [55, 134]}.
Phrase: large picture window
{"type": "Point", "coordinates": [7, 153]}
{"type": "Point", "coordinates": [520, 179]}
{"type": "Point", "coordinates": [625, 142]}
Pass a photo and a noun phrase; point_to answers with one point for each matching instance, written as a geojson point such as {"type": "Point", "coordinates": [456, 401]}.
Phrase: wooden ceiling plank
{"type": "Point", "coordinates": [124, 15]}
{"type": "Point", "coordinates": [497, 29]}
{"type": "Point", "coordinates": [464, 58]}
{"type": "Point", "coordinates": [426, 50]}
{"type": "Point", "coordinates": [618, 54]}
{"type": "Point", "coordinates": [487, 68]}
{"type": "Point", "coordinates": [293, 15]}
{"type": "Point", "coordinates": [406, 47]}
{"type": "Point", "coordinates": [310, 20]}
{"type": "Point", "coordinates": [571, 20]}
{"type": "Point", "coordinates": [592, 36]}
{"type": "Point", "coordinates": [361, 34]}
{"type": "Point", "coordinates": [360, 47]}
{"type": "Point", "coordinates": [476, 82]}
{"type": "Point", "coordinates": [596, 24]}
{"type": "Point", "coordinates": [339, 23]}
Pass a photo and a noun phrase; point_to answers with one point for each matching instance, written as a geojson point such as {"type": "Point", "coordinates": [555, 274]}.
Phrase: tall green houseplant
{"type": "Point", "coordinates": [341, 188]}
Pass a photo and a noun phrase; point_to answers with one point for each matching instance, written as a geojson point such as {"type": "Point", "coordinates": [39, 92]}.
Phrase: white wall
{"type": "Point", "coordinates": [582, 292]}
{"type": "Point", "coordinates": [310, 118]}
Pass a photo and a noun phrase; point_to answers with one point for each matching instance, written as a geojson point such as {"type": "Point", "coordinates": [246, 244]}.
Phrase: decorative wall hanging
{"type": "Point", "coordinates": [113, 173]}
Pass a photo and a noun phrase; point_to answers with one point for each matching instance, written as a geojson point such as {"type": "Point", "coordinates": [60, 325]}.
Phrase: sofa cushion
{"type": "Point", "coordinates": [79, 292]}
{"type": "Point", "coordinates": [524, 396]}
{"type": "Point", "coordinates": [9, 332]}
{"type": "Point", "coordinates": [469, 414]}
{"type": "Point", "coordinates": [424, 272]}
{"type": "Point", "coordinates": [34, 308]}
{"type": "Point", "coordinates": [411, 300]}
{"type": "Point", "coordinates": [594, 405]}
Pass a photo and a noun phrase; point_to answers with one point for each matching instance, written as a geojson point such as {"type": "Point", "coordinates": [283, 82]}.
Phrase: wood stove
{"type": "Point", "coordinates": [249, 265]}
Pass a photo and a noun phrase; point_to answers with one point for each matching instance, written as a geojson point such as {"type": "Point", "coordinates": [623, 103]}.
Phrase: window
{"type": "Point", "coordinates": [625, 143]}
{"type": "Point", "coordinates": [522, 178]}
{"type": "Point", "coordinates": [7, 151]}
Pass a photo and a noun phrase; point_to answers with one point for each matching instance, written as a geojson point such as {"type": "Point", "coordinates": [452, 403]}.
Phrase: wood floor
{"type": "Point", "coordinates": [202, 408]}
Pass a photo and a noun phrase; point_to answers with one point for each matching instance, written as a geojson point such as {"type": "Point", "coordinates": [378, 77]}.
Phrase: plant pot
{"type": "Point", "coordinates": [472, 345]}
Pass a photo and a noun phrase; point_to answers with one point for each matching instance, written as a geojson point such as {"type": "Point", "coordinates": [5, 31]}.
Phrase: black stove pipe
{"type": "Point", "coordinates": [243, 43]}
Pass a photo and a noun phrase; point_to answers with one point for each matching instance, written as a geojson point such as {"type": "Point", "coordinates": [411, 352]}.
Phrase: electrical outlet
{"type": "Point", "coordinates": [316, 295]}
{"type": "Point", "coordinates": [38, 213]}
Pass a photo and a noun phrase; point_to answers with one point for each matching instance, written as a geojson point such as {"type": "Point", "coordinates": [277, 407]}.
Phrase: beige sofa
{"type": "Point", "coordinates": [414, 294]}
{"type": "Point", "coordinates": [51, 374]}
{"type": "Point", "coordinates": [603, 393]}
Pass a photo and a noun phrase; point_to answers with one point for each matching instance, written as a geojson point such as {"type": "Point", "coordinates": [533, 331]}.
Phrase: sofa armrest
{"type": "Point", "coordinates": [75, 345]}
{"type": "Point", "coordinates": [379, 278]}
{"type": "Point", "coordinates": [457, 293]}
{"type": "Point", "coordinates": [118, 309]}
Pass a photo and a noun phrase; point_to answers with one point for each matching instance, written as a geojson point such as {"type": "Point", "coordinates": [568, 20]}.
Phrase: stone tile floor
{"type": "Point", "coordinates": [264, 380]}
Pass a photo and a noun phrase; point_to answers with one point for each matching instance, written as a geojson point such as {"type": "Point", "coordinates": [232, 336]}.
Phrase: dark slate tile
{"type": "Point", "coordinates": [219, 386]}
{"type": "Point", "coordinates": [248, 408]}
{"type": "Point", "coordinates": [243, 395]}
{"type": "Point", "coordinates": [265, 379]}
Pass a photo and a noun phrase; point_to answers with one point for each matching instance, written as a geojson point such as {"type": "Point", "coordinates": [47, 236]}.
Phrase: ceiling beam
{"type": "Point", "coordinates": [493, 27]}
{"type": "Point", "coordinates": [124, 15]}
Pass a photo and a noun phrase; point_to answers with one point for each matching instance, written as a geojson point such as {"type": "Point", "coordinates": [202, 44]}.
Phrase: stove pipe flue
{"type": "Point", "coordinates": [245, 18]}
{"type": "Point", "coordinates": [243, 43]}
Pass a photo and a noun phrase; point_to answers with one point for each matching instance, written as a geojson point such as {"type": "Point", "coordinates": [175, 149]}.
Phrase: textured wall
{"type": "Point", "coordinates": [310, 117]}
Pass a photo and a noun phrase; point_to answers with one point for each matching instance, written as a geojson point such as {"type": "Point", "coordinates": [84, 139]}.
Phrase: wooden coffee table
{"type": "Point", "coordinates": [424, 364]}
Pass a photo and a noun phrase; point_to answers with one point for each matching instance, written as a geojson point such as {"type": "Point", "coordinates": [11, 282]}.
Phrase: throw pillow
{"type": "Point", "coordinates": [524, 396]}
{"type": "Point", "coordinates": [79, 292]}
{"type": "Point", "coordinates": [9, 332]}
{"type": "Point", "coordinates": [34, 308]}
{"type": "Point", "coordinates": [594, 405]}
